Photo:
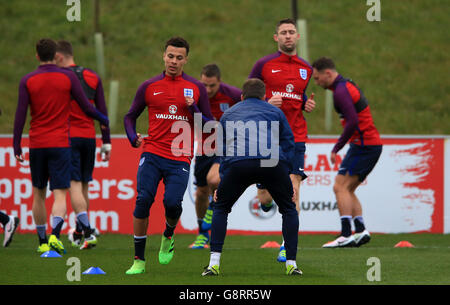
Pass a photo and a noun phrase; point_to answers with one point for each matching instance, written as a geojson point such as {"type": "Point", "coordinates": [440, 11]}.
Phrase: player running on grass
{"type": "Point", "coordinates": [48, 91]}
{"type": "Point", "coordinates": [364, 152]}
{"type": "Point", "coordinates": [286, 77]}
{"type": "Point", "coordinates": [82, 142]}
{"type": "Point", "coordinates": [171, 97]}
{"type": "Point", "coordinates": [240, 170]}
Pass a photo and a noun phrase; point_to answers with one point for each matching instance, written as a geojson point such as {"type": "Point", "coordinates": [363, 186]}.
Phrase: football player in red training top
{"type": "Point", "coordinates": [48, 91]}
{"type": "Point", "coordinates": [82, 142]}
{"type": "Point", "coordinates": [221, 97]}
{"type": "Point", "coordinates": [171, 98]}
{"type": "Point", "coordinates": [286, 77]}
{"type": "Point", "coordinates": [364, 152]}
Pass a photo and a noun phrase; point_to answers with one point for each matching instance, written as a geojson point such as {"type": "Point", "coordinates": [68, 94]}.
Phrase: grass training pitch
{"type": "Point", "coordinates": [243, 262]}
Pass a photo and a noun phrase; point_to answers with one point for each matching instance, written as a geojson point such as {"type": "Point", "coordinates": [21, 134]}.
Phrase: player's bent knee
{"type": "Point", "coordinates": [339, 184]}
{"type": "Point", "coordinates": [174, 212]}
{"type": "Point", "coordinates": [221, 209]}
{"type": "Point", "coordinates": [173, 209]}
{"type": "Point", "coordinates": [141, 212]}
{"type": "Point", "coordinates": [339, 188]}
{"type": "Point", "coordinates": [288, 209]}
{"type": "Point", "coordinates": [143, 204]}
{"type": "Point", "coordinates": [213, 181]}
{"type": "Point", "coordinates": [336, 188]}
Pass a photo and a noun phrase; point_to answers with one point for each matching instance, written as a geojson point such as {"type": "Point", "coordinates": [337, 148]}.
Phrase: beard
{"type": "Point", "coordinates": [288, 49]}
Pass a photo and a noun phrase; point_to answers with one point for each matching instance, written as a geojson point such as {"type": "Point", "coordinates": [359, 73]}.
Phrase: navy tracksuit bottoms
{"type": "Point", "coordinates": [235, 179]}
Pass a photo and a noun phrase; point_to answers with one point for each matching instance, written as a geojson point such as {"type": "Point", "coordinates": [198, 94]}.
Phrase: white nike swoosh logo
{"type": "Point", "coordinates": [10, 229]}
{"type": "Point", "coordinates": [185, 170]}
{"type": "Point", "coordinates": [343, 242]}
{"type": "Point", "coordinates": [275, 71]}
{"type": "Point", "coordinates": [156, 93]}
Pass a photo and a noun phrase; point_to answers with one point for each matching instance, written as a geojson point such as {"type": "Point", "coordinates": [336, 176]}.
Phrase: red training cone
{"type": "Point", "coordinates": [404, 244]}
{"type": "Point", "coordinates": [271, 244]}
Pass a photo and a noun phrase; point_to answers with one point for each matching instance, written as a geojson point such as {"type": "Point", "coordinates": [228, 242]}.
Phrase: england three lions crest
{"type": "Point", "coordinates": [303, 74]}
{"type": "Point", "coordinates": [188, 93]}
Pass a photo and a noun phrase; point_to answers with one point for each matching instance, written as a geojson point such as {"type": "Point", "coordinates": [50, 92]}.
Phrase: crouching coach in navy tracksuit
{"type": "Point", "coordinates": [248, 125]}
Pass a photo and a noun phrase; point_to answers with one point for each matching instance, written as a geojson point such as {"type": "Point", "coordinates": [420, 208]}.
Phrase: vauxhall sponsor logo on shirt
{"type": "Point", "coordinates": [172, 115]}
{"type": "Point", "coordinates": [289, 93]}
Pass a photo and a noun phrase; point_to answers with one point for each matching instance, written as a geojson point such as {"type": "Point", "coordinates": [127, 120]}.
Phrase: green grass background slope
{"type": "Point", "coordinates": [401, 62]}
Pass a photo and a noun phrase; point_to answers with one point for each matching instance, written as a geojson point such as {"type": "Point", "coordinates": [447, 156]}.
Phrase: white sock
{"type": "Point", "coordinates": [214, 259]}
{"type": "Point", "coordinates": [291, 263]}
{"type": "Point", "coordinates": [139, 237]}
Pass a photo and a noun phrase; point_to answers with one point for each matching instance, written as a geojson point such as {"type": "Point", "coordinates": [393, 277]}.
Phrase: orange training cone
{"type": "Point", "coordinates": [404, 244]}
{"type": "Point", "coordinates": [271, 244]}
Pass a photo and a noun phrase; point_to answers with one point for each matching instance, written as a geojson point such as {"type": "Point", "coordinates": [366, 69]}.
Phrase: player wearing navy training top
{"type": "Point", "coordinates": [171, 99]}
{"type": "Point", "coordinates": [221, 97]}
{"type": "Point", "coordinates": [240, 169]}
{"type": "Point", "coordinates": [364, 152]}
{"type": "Point", "coordinates": [82, 142]}
{"type": "Point", "coordinates": [286, 77]}
{"type": "Point", "coordinates": [48, 91]}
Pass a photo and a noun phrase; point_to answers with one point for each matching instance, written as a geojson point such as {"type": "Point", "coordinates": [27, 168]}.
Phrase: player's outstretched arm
{"type": "Point", "coordinates": [344, 102]}
{"type": "Point", "coordinates": [133, 113]}
{"type": "Point", "coordinates": [20, 118]}
{"type": "Point", "coordinates": [100, 104]}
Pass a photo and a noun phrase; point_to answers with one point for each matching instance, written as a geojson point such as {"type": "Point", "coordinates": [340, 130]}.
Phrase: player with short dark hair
{"type": "Point", "coordinates": [362, 156]}
{"type": "Point", "coordinates": [82, 141]}
{"type": "Point", "coordinates": [172, 98]}
{"type": "Point", "coordinates": [46, 49]}
{"type": "Point", "coordinates": [286, 77]}
{"type": "Point", "coordinates": [48, 91]}
{"type": "Point", "coordinates": [240, 170]}
{"type": "Point", "coordinates": [206, 171]}
{"type": "Point", "coordinates": [211, 70]}
{"type": "Point", "coordinates": [178, 42]}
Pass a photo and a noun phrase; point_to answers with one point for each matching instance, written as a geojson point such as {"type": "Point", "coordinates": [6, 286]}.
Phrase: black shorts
{"type": "Point", "coordinates": [83, 159]}
{"type": "Point", "coordinates": [239, 175]}
{"type": "Point", "coordinates": [360, 160]}
{"type": "Point", "coordinates": [50, 164]}
{"type": "Point", "coordinates": [201, 168]}
{"type": "Point", "coordinates": [298, 163]}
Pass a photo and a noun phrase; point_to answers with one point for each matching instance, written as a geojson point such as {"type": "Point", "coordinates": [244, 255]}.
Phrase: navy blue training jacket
{"type": "Point", "coordinates": [255, 129]}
